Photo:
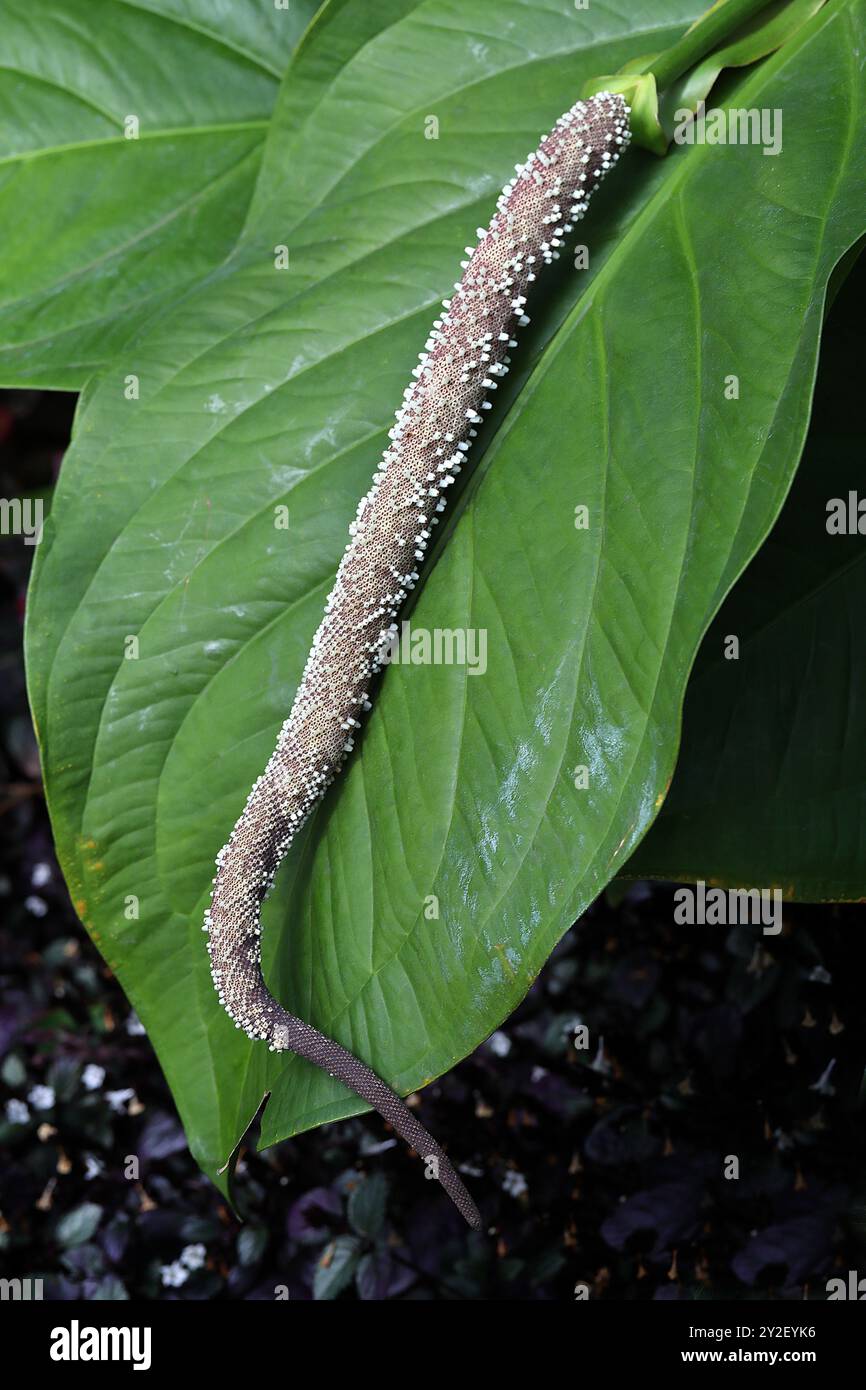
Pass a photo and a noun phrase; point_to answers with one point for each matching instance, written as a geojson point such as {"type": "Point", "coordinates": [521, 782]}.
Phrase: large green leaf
{"type": "Point", "coordinates": [769, 788]}
{"type": "Point", "coordinates": [118, 224]}
{"type": "Point", "coordinates": [271, 387]}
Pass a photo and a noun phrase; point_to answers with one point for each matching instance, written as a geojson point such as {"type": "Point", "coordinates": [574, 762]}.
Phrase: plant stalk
{"type": "Point", "coordinates": [707, 33]}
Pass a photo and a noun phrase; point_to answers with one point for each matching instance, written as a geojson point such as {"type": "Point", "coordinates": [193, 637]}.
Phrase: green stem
{"type": "Point", "coordinates": [712, 28]}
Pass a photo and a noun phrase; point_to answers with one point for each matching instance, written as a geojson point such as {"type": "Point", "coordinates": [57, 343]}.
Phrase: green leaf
{"type": "Point", "coordinates": [252, 1243]}
{"type": "Point", "coordinates": [336, 1267]}
{"type": "Point", "coordinates": [13, 1071]}
{"type": "Point", "coordinates": [455, 850]}
{"type": "Point", "coordinates": [110, 1289]}
{"type": "Point", "coordinates": [77, 1226]}
{"type": "Point", "coordinates": [367, 1206]}
{"type": "Point", "coordinates": [769, 787]}
{"type": "Point", "coordinates": [100, 228]}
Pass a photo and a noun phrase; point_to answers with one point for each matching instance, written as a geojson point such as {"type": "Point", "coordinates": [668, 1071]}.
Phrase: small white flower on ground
{"type": "Point", "coordinates": [499, 1044]}
{"type": "Point", "coordinates": [17, 1112]}
{"type": "Point", "coordinates": [819, 974]}
{"type": "Point", "coordinates": [93, 1166]}
{"type": "Point", "coordinates": [93, 1076]}
{"type": "Point", "coordinates": [134, 1026]}
{"type": "Point", "coordinates": [41, 875]}
{"type": "Point", "coordinates": [174, 1275]}
{"type": "Point", "coordinates": [38, 906]}
{"type": "Point", "coordinates": [514, 1183]}
{"type": "Point", "coordinates": [193, 1256]}
{"type": "Point", "coordinates": [824, 1085]}
{"type": "Point", "coordinates": [371, 1147]}
{"type": "Point", "coordinates": [118, 1100]}
{"type": "Point", "coordinates": [41, 1097]}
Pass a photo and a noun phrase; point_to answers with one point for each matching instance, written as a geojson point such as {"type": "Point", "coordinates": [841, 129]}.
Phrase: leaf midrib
{"type": "Point", "coordinates": [145, 136]}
